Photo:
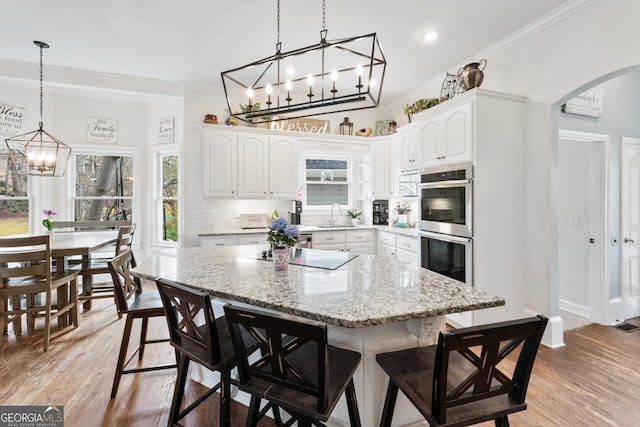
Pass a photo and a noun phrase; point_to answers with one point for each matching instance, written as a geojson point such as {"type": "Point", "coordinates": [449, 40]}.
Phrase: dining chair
{"type": "Point", "coordinates": [464, 379]}
{"type": "Point", "coordinates": [199, 337]}
{"type": "Point", "coordinates": [99, 266]}
{"type": "Point", "coordinates": [25, 272]}
{"type": "Point", "coordinates": [134, 303]}
{"type": "Point", "coordinates": [297, 370]}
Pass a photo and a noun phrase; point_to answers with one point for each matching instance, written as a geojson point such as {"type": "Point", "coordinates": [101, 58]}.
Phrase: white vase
{"type": "Point", "coordinates": [51, 234]}
{"type": "Point", "coordinates": [280, 259]}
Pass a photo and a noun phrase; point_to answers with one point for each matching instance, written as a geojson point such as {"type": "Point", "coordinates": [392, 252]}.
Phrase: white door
{"type": "Point", "coordinates": [630, 227]}
{"type": "Point", "coordinates": [581, 225]}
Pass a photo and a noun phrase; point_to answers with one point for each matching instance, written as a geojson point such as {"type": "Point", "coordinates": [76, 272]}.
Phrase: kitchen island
{"type": "Point", "coordinates": [371, 304]}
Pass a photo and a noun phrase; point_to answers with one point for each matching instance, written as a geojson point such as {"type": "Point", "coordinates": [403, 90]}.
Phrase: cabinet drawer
{"type": "Point", "coordinates": [385, 238]}
{"type": "Point", "coordinates": [328, 238]}
{"type": "Point", "coordinates": [407, 243]}
{"type": "Point", "coordinates": [253, 239]}
{"type": "Point", "coordinates": [360, 236]}
{"type": "Point", "coordinates": [207, 242]}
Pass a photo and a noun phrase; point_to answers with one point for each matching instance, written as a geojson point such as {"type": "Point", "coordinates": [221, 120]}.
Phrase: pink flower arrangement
{"type": "Point", "coordinates": [47, 221]}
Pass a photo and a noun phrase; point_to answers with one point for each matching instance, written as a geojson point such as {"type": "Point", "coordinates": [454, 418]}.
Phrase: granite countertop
{"type": "Point", "coordinates": [307, 229]}
{"type": "Point", "coordinates": [366, 291]}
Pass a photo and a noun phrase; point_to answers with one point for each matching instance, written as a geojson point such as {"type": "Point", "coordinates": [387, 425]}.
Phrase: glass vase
{"type": "Point", "coordinates": [280, 259]}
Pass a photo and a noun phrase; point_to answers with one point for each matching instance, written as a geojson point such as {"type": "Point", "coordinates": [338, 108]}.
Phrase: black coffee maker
{"type": "Point", "coordinates": [295, 212]}
{"type": "Point", "coordinates": [380, 212]}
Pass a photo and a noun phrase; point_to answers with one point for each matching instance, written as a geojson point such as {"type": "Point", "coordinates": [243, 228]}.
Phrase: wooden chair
{"type": "Point", "coordinates": [99, 265]}
{"type": "Point", "coordinates": [459, 381]}
{"type": "Point", "coordinates": [134, 303]}
{"type": "Point", "coordinates": [297, 371]}
{"type": "Point", "coordinates": [25, 271]}
{"type": "Point", "coordinates": [198, 336]}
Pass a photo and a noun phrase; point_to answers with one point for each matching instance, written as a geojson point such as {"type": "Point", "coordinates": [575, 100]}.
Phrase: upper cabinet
{"type": "Point", "coordinates": [381, 170]}
{"type": "Point", "coordinates": [249, 165]}
{"type": "Point", "coordinates": [220, 165]}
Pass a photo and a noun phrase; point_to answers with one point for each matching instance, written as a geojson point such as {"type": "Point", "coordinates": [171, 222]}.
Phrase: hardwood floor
{"type": "Point", "coordinates": [593, 381]}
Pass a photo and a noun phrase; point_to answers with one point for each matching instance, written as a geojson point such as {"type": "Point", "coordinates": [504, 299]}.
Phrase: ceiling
{"type": "Point", "coordinates": [193, 41]}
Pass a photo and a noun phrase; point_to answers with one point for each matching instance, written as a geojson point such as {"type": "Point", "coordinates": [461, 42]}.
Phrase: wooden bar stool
{"type": "Point", "coordinates": [459, 381]}
{"type": "Point", "coordinates": [297, 371]}
{"type": "Point", "coordinates": [134, 303]}
{"type": "Point", "coordinates": [198, 336]}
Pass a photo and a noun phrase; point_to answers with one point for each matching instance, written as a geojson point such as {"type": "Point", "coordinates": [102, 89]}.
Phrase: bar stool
{"type": "Point", "coordinates": [198, 336]}
{"type": "Point", "coordinates": [459, 381]}
{"type": "Point", "coordinates": [134, 303]}
{"type": "Point", "coordinates": [297, 371]}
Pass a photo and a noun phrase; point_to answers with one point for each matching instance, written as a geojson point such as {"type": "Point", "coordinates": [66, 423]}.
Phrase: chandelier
{"type": "Point", "coordinates": [329, 77]}
{"type": "Point", "coordinates": [38, 152]}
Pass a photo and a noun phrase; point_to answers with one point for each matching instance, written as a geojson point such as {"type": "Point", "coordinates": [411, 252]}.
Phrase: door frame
{"type": "Point", "coordinates": [599, 301]}
{"type": "Point", "coordinates": [622, 314]}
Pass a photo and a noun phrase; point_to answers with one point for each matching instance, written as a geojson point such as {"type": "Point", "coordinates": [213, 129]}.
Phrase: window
{"type": "Point", "coordinates": [103, 187]}
{"type": "Point", "coordinates": [14, 197]}
{"type": "Point", "coordinates": [327, 181]}
{"type": "Point", "coordinates": [167, 197]}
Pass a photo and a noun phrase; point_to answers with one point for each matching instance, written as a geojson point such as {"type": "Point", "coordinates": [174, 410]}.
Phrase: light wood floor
{"type": "Point", "coordinates": [593, 381]}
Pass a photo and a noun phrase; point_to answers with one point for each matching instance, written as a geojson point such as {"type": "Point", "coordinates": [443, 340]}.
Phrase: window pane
{"type": "Point", "coordinates": [170, 176]}
{"type": "Point", "coordinates": [104, 176]}
{"type": "Point", "coordinates": [12, 184]}
{"type": "Point", "coordinates": [14, 217]}
{"type": "Point", "coordinates": [326, 195]}
{"type": "Point", "coordinates": [102, 209]}
{"type": "Point", "coordinates": [326, 170]}
{"type": "Point", "coordinates": [170, 220]}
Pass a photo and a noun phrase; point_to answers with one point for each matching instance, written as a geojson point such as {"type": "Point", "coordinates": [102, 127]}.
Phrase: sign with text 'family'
{"type": "Point", "coordinates": [102, 130]}
{"type": "Point", "coordinates": [12, 119]}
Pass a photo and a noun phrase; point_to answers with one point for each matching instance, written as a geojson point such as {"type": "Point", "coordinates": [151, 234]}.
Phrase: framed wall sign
{"type": "Point", "coordinates": [102, 130]}
{"type": "Point", "coordinates": [165, 130]}
{"type": "Point", "coordinates": [12, 119]}
{"type": "Point", "coordinates": [588, 103]}
{"type": "Point", "coordinates": [298, 125]}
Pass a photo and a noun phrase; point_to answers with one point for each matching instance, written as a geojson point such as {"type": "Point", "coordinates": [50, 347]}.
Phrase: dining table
{"type": "Point", "coordinates": [371, 304]}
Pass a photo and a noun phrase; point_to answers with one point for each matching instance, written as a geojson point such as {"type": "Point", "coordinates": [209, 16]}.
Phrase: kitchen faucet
{"type": "Point", "coordinates": [331, 220]}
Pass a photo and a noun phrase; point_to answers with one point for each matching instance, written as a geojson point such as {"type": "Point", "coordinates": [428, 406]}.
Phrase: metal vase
{"type": "Point", "coordinates": [471, 75]}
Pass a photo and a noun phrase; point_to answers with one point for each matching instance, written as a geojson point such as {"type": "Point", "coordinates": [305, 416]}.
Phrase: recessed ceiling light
{"type": "Point", "coordinates": [430, 36]}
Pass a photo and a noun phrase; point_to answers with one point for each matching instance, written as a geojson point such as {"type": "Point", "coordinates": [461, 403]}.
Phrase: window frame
{"type": "Point", "coordinates": [349, 182]}
{"type": "Point", "coordinates": [31, 221]}
{"type": "Point", "coordinates": [158, 197]}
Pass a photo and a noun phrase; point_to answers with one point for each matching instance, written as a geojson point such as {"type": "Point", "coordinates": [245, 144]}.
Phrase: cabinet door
{"type": "Point", "coordinates": [380, 173]}
{"type": "Point", "coordinates": [214, 241]}
{"type": "Point", "coordinates": [283, 168]}
{"type": "Point", "coordinates": [220, 166]}
{"type": "Point", "coordinates": [253, 162]}
{"type": "Point", "coordinates": [253, 239]}
{"type": "Point", "coordinates": [457, 133]}
{"type": "Point", "coordinates": [407, 150]}
{"type": "Point", "coordinates": [428, 141]}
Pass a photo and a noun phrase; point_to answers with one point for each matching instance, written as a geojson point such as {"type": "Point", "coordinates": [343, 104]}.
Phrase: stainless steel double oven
{"type": "Point", "coordinates": [446, 221]}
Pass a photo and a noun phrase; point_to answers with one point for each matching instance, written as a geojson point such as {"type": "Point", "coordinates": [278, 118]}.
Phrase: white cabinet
{"type": "Point", "coordinates": [220, 166]}
{"type": "Point", "coordinates": [401, 247]}
{"type": "Point", "coordinates": [447, 137]}
{"type": "Point", "coordinates": [233, 240]}
{"type": "Point", "coordinates": [357, 241]}
{"type": "Point", "coordinates": [283, 167]}
{"type": "Point", "coordinates": [253, 164]}
{"type": "Point", "coordinates": [408, 249]}
{"type": "Point", "coordinates": [409, 155]}
{"type": "Point", "coordinates": [214, 241]}
{"type": "Point", "coordinates": [380, 173]}
{"type": "Point", "coordinates": [250, 165]}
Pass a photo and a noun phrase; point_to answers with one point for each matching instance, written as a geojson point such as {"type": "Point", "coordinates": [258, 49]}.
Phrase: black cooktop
{"type": "Point", "coordinates": [317, 258]}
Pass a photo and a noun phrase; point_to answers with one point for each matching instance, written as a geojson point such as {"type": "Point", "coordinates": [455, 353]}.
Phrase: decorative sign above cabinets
{"type": "Point", "coordinates": [102, 130]}
{"type": "Point", "coordinates": [588, 103]}
{"type": "Point", "coordinates": [298, 125]}
{"type": "Point", "coordinates": [165, 131]}
{"type": "Point", "coordinates": [12, 119]}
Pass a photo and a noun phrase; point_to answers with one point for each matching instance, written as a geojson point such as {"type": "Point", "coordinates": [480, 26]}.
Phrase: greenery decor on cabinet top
{"type": "Point", "coordinates": [419, 105]}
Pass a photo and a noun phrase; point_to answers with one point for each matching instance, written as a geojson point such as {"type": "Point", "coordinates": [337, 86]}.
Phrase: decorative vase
{"type": "Point", "coordinates": [51, 234]}
{"type": "Point", "coordinates": [280, 259]}
{"type": "Point", "coordinates": [354, 221]}
{"type": "Point", "coordinates": [471, 75]}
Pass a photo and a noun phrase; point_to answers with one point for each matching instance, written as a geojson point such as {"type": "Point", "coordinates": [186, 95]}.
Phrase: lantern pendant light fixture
{"type": "Point", "coordinates": [329, 77]}
{"type": "Point", "coordinates": [38, 153]}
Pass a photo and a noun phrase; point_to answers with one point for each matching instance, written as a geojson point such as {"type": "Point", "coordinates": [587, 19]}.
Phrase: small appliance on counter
{"type": "Point", "coordinates": [253, 220]}
{"type": "Point", "coordinates": [380, 212]}
{"type": "Point", "coordinates": [295, 212]}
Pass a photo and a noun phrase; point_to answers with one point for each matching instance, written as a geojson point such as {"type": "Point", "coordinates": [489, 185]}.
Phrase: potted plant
{"type": "Point", "coordinates": [282, 236]}
{"type": "Point", "coordinates": [354, 216]}
{"type": "Point", "coordinates": [420, 105]}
